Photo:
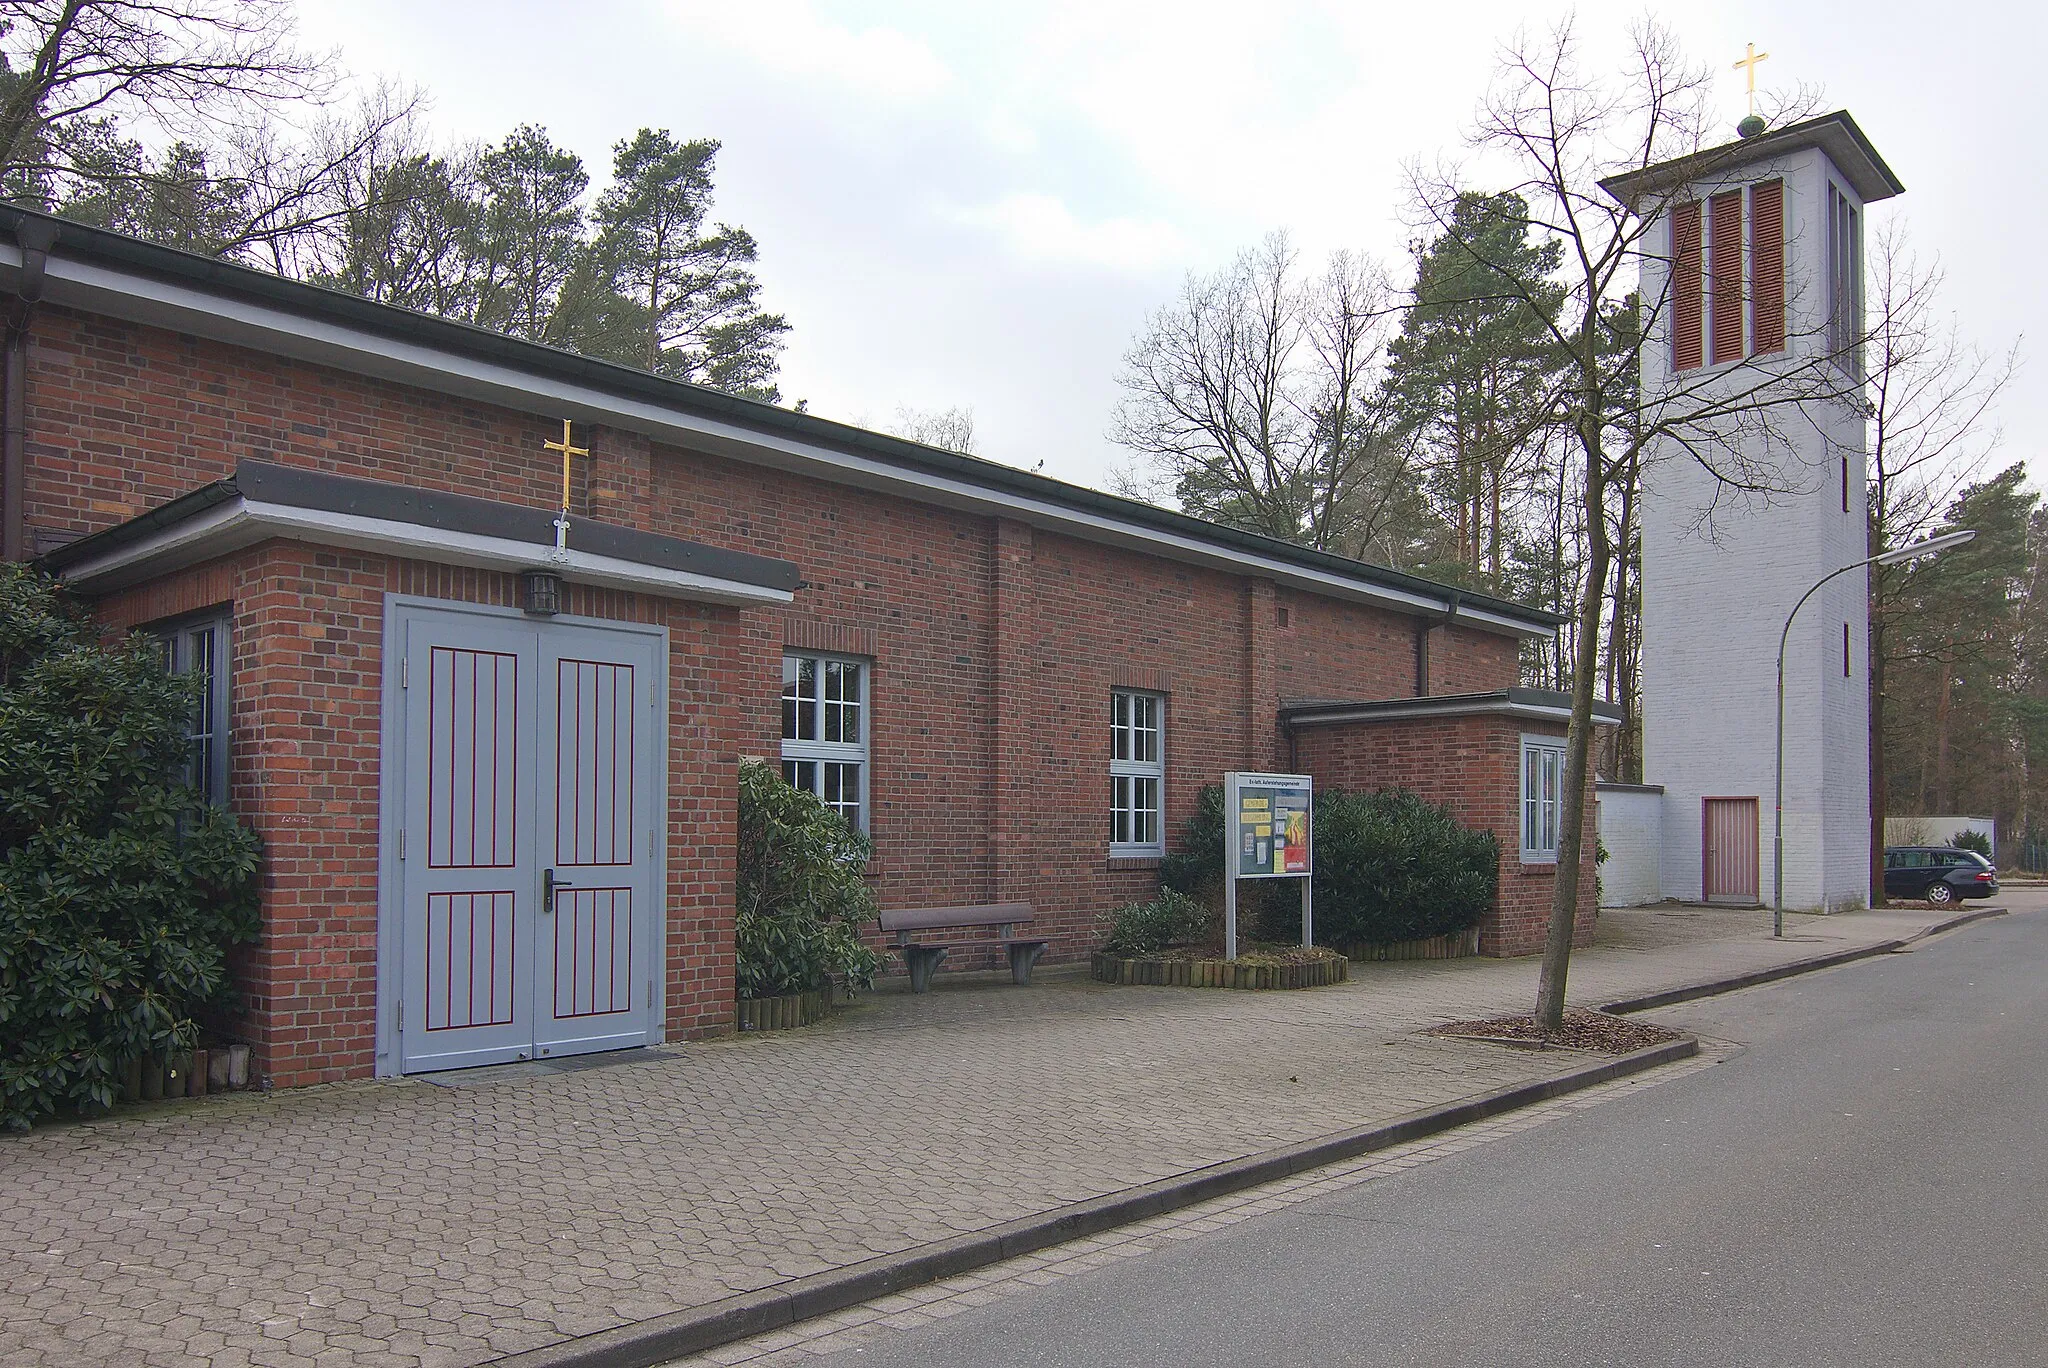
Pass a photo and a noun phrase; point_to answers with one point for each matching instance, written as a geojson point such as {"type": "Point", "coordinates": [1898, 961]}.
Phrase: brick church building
{"type": "Point", "coordinates": [496, 785]}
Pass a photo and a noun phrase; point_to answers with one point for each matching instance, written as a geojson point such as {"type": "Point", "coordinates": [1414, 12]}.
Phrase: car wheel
{"type": "Point", "coordinates": [1941, 895]}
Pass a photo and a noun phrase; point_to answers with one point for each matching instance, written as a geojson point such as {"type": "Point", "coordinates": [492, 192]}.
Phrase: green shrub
{"type": "Point", "coordinates": [802, 896]}
{"type": "Point", "coordinates": [1388, 867]}
{"type": "Point", "coordinates": [1972, 840]}
{"type": "Point", "coordinates": [121, 889]}
{"type": "Point", "coordinates": [1173, 918]}
{"type": "Point", "coordinates": [1267, 909]}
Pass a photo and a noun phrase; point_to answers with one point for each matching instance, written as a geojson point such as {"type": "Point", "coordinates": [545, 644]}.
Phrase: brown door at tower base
{"type": "Point", "coordinates": [1729, 837]}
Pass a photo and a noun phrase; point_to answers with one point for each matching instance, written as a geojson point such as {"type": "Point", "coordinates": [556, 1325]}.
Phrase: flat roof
{"type": "Point", "coordinates": [100, 271]}
{"type": "Point", "coordinates": [1518, 700]}
{"type": "Point", "coordinates": [1835, 134]}
{"type": "Point", "coordinates": [263, 501]}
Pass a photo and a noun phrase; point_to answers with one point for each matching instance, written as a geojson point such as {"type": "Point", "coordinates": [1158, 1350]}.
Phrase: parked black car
{"type": "Point", "coordinates": [1940, 874]}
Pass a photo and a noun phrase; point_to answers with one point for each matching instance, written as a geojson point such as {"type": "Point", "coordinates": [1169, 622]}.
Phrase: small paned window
{"type": "Point", "coordinates": [1137, 773]}
{"type": "Point", "coordinates": [1542, 797]}
{"type": "Point", "coordinates": [824, 731]}
{"type": "Point", "coordinates": [199, 649]}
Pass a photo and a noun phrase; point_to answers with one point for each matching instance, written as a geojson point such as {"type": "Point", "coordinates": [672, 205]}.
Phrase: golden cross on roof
{"type": "Point", "coordinates": [1748, 65]}
{"type": "Point", "coordinates": [562, 523]}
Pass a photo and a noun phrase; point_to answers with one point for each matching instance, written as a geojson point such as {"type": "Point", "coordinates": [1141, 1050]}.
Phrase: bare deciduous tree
{"type": "Point", "coordinates": [950, 429]}
{"type": "Point", "coordinates": [172, 119]}
{"type": "Point", "coordinates": [1568, 134]}
{"type": "Point", "coordinates": [1257, 400]}
{"type": "Point", "coordinates": [189, 69]}
{"type": "Point", "coordinates": [397, 217]}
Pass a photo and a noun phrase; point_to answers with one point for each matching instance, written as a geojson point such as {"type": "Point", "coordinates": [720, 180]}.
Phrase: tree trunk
{"type": "Point", "coordinates": [1942, 775]}
{"type": "Point", "coordinates": [1564, 896]}
{"type": "Point", "coordinates": [1878, 768]}
{"type": "Point", "coordinates": [1493, 529]}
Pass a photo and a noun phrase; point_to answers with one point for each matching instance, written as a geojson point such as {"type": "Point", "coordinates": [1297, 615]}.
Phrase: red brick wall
{"type": "Point", "coordinates": [1470, 765]}
{"type": "Point", "coordinates": [1467, 660]}
{"type": "Point", "coordinates": [995, 647]}
{"type": "Point", "coordinates": [307, 636]}
{"type": "Point", "coordinates": [1329, 649]}
{"type": "Point", "coordinates": [990, 748]}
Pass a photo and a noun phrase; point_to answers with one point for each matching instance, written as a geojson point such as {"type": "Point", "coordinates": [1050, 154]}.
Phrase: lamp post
{"type": "Point", "coordinates": [1932, 546]}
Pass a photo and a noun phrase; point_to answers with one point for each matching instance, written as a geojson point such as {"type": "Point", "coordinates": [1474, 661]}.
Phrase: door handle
{"type": "Point", "coordinates": [548, 884]}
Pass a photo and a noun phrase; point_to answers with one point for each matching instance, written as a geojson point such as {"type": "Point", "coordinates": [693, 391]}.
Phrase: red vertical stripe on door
{"type": "Point", "coordinates": [594, 773]}
{"type": "Point", "coordinates": [464, 760]}
{"type": "Point", "coordinates": [1685, 286]}
{"type": "Point", "coordinates": [1724, 268]}
{"type": "Point", "coordinates": [1767, 266]}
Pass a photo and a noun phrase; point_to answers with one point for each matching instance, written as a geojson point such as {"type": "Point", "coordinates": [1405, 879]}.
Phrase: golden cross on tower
{"type": "Point", "coordinates": [562, 522]}
{"type": "Point", "coordinates": [1748, 66]}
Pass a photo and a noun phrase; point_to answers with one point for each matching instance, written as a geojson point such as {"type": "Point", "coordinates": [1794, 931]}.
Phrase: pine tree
{"type": "Point", "coordinates": [528, 238]}
{"type": "Point", "coordinates": [695, 312]}
{"type": "Point", "coordinates": [1955, 686]}
{"type": "Point", "coordinates": [1475, 363]}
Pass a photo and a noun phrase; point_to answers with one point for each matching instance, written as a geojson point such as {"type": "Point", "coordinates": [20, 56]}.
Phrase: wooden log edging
{"type": "Point", "coordinates": [1452, 945]}
{"type": "Point", "coordinates": [784, 1013]}
{"type": "Point", "coordinates": [1216, 973]}
{"type": "Point", "coordinates": [189, 1073]}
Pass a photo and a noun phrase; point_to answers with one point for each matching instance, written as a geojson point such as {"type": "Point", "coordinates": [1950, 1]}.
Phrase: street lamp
{"type": "Point", "coordinates": [1932, 546]}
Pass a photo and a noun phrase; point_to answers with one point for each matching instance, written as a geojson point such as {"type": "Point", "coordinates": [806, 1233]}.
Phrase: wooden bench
{"type": "Point", "coordinates": [922, 959]}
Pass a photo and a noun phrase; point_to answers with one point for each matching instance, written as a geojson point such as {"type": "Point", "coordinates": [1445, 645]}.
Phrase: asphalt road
{"type": "Point", "coordinates": [1867, 1183]}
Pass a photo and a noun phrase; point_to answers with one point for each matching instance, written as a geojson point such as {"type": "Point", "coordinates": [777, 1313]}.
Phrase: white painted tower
{"type": "Point", "coordinates": [1757, 285]}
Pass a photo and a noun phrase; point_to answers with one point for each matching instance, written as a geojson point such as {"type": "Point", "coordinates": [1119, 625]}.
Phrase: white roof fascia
{"type": "Point", "coordinates": [1423, 708]}
{"type": "Point", "coordinates": [181, 308]}
{"type": "Point", "coordinates": [243, 522]}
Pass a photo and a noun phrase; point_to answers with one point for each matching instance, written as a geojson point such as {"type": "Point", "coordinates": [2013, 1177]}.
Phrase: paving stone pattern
{"type": "Point", "coordinates": [848, 1330]}
{"type": "Point", "coordinates": [444, 1223]}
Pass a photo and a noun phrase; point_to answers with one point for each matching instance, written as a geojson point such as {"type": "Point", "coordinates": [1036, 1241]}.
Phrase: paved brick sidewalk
{"type": "Point", "coordinates": [409, 1222]}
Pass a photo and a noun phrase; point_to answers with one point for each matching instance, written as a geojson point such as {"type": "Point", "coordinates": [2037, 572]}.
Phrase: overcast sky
{"type": "Point", "coordinates": [972, 204]}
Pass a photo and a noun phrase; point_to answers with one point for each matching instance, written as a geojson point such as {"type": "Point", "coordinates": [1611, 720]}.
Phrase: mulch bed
{"type": "Point", "coordinates": [1582, 1030]}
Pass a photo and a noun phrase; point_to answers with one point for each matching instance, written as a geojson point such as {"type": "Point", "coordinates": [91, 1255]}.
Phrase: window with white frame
{"type": "Point", "coordinates": [1542, 797]}
{"type": "Point", "coordinates": [1137, 773]}
{"type": "Point", "coordinates": [199, 648]}
{"type": "Point", "coordinates": [824, 731]}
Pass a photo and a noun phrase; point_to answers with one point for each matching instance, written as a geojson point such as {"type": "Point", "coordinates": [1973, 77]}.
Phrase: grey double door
{"type": "Point", "coordinates": [530, 755]}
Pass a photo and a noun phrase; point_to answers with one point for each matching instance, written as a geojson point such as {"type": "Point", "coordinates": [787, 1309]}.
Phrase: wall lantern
{"type": "Point", "coordinates": [540, 592]}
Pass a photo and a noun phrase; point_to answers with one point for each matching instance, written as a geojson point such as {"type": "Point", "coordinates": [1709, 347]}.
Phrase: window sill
{"type": "Point", "coordinates": [1529, 866]}
{"type": "Point", "coordinates": [1135, 860]}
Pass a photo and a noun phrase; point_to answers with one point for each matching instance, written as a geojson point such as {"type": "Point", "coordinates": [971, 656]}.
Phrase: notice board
{"type": "Point", "coordinates": [1268, 817]}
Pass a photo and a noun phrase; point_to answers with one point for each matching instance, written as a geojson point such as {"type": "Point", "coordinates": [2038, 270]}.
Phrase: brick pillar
{"type": "Point", "coordinates": [1013, 634]}
{"type": "Point", "coordinates": [1261, 694]}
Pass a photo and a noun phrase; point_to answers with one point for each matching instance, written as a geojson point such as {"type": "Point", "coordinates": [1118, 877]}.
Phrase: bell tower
{"type": "Point", "coordinates": [1753, 290]}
